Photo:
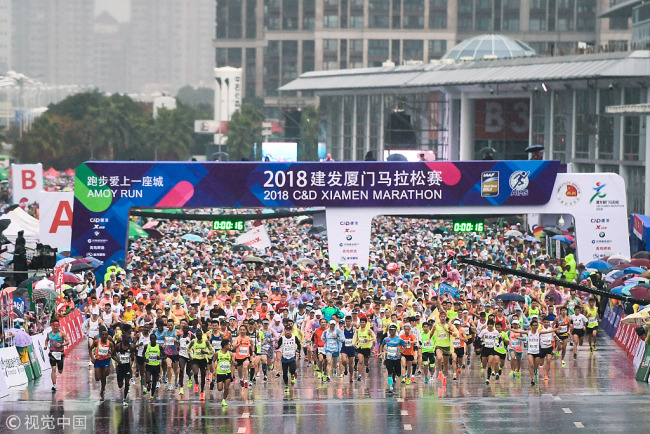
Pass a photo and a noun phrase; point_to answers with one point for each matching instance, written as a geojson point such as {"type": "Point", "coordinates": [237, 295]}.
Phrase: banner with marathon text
{"type": "Point", "coordinates": [105, 191]}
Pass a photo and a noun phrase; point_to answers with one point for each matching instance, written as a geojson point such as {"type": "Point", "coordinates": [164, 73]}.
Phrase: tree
{"type": "Point", "coordinates": [244, 129]}
{"type": "Point", "coordinates": [310, 126]}
{"type": "Point", "coordinates": [171, 138]}
{"type": "Point", "coordinates": [196, 97]}
{"type": "Point", "coordinates": [42, 144]}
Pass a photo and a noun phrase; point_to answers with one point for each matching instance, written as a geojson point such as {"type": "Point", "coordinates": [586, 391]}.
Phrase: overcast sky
{"type": "Point", "coordinates": [120, 9]}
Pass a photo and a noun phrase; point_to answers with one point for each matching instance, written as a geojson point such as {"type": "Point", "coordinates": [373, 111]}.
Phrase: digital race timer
{"type": "Point", "coordinates": [465, 226]}
{"type": "Point", "coordinates": [227, 225]}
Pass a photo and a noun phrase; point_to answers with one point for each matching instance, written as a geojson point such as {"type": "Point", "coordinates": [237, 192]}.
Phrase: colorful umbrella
{"type": "Point", "coordinates": [599, 265]}
{"type": "Point", "coordinates": [192, 237]}
{"type": "Point", "coordinates": [639, 262]}
{"type": "Point", "coordinates": [641, 291]}
{"type": "Point", "coordinates": [136, 231]}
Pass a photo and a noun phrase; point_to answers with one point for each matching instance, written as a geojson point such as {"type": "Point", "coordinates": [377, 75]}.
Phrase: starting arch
{"type": "Point", "coordinates": [352, 194]}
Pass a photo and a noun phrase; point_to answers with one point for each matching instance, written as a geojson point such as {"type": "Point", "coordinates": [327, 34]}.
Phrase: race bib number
{"type": "Point", "coordinates": [289, 352]}
{"type": "Point", "coordinates": [56, 355]}
{"type": "Point", "coordinates": [564, 329]}
{"type": "Point", "coordinates": [363, 341]}
{"type": "Point", "coordinates": [125, 358]}
{"type": "Point", "coordinates": [593, 320]}
{"type": "Point", "coordinates": [457, 343]}
{"type": "Point", "coordinates": [571, 305]}
{"type": "Point", "coordinates": [266, 347]}
{"type": "Point", "coordinates": [348, 342]}
{"type": "Point", "coordinates": [183, 352]}
{"type": "Point", "coordinates": [427, 345]}
{"type": "Point", "coordinates": [243, 351]}
{"type": "Point", "coordinates": [514, 343]}
{"type": "Point", "coordinates": [216, 345]}
{"type": "Point", "coordinates": [169, 341]}
{"type": "Point", "coordinates": [391, 351]}
{"type": "Point", "coordinates": [153, 357]}
{"type": "Point", "coordinates": [224, 366]}
{"type": "Point", "coordinates": [442, 336]}
{"type": "Point", "coordinates": [321, 350]}
{"type": "Point", "coordinates": [102, 351]}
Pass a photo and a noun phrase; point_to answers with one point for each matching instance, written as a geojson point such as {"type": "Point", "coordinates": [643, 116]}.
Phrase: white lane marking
{"type": "Point", "coordinates": [578, 424]}
{"type": "Point", "coordinates": [408, 427]}
{"type": "Point", "coordinates": [245, 415]}
{"type": "Point", "coordinates": [567, 410]}
{"type": "Point", "coordinates": [557, 398]}
{"type": "Point", "coordinates": [405, 413]}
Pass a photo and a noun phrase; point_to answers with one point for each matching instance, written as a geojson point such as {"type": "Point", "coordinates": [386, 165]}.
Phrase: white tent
{"type": "Point", "coordinates": [21, 221]}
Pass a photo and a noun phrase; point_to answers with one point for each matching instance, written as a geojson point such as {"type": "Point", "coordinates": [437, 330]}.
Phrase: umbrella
{"type": "Point", "coordinates": [396, 157]}
{"type": "Point", "coordinates": [641, 255]}
{"type": "Point", "coordinates": [641, 291]}
{"type": "Point", "coordinates": [633, 270]}
{"type": "Point", "coordinates": [44, 294]}
{"type": "Point", "coordinates": [316, 230]}
{"type": "Point", "coordinates": [150, 224]}
{"type": "Point", "coordinates": [96, 262]}
{"type": "Point", "coordinates": [561, 238]}
{"type": "Point", "coordinates": [44, 284]}
{"type": "Point", "coordinates": [637, 280]}
{"type": "Point", "coordinates": [531, 239]}
{"type": "Point", "coordinates": [192, 237]}
{"type": "Point", "coordinates": [613, 275]}
{"type": "Point", "coordinates": [305, 220]}
{"type": "Point", "coordinates": [512, 233]}
{"type": "Point", "coordinates": [219, 156]}
{"type": "Point", "coordinates": [136, 231]}
{"type": "Point", "coordinates": [622, 290]}
{"type": "Point", "coordinates": [637, 319]}
{"type": "Point", "coordinates": [487, 150]}
{"type": "Point", "coordinates": [77, 268]}
{"type": "Point", "coordinates": [25, 283]}
{"type": "Point", "coordinates": [621, 257]}
{"type": "Point", "coordinates": [81, 261]}
{"type": "Point", "coordinates": [440, 230]}
{"type": "Point", "coordinates": [250, 259]}
{"type": "Point", "coordinates": [64, 261]}
{"type": "Point", "coordinates": [551, 231]}
{"type": "Point", "coordinates": [68, 278]}
{"type": "Point", "coordinates": [510, 296]}
{"type": "Point", "coordinates": [306, 261]}
{"type": "Point", "coordinates": [154, 234]}
{"type": "Point", "coordinates": [534, 148]}
{"type": "Point", "coordinates": [21, 337]}
{"type": "Point", "coordinates": [640, 262]}
{"type": "Point", "coordinates": [599, 265]}
{"type": "Point", "coordinates": [618, 261]}
{"type": "Point", "coordinates": [240, 248]}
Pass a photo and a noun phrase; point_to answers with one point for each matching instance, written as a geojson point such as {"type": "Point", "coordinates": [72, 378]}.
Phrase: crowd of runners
{"type": "Point", "coordinates": [197, 319]}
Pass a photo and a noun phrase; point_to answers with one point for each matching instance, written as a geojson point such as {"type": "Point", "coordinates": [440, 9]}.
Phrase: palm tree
{"type": "Point", "coordinates": [43, 143]}
{"type": "Point", "coordinates": [244, 129]}
{"type": "Point", "coordinates": [171, 136]}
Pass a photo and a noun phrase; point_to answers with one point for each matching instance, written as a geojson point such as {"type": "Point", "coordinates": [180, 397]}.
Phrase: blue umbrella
{"type": "Point", "coordinates": [192, 237]}
{"type": "Point", "coordinates": [562, 239]}
{"type": "Point", "coordinates": [633, 270]}
{"type": "Point", "coordinates": [599, 265]}
{"type": "Point", "coordinates": [95, 262]}
{"type": "Point", "coordinates": [64, 261]}
{"type": "Point", "coordinates": [622, 290]}
{"type": "Point", "coordinates": [510, 296]}
{"type": "Point", "coordinates": [531, 239]}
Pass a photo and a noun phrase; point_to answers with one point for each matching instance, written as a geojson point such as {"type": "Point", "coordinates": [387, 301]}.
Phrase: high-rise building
{"type": "Point", "coordinates": [170, 44]}
{"type": "Point", "coordinates": [52, 40]}
{"type": "Point", "coordinates": [275, 41]}
{"type": "Point", "coordinates": [5, 36]}
{"type": "Point", "coordinates": [109, 55]}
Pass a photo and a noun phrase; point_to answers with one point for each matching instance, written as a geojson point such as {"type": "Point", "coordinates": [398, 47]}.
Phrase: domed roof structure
{"type": "Point", "coordinates": [489, 47]}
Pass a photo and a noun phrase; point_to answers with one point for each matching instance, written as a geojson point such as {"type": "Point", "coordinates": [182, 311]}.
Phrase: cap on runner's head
{"type": "Point", "coordinates": [456, 321]}
{"type": "Point", "coordinates": [392, 326]}
{"type": "Point", "coordinates": [332, 321]}
{"type": "Point", "coordinates": [515, 321]}
{"type": "Point", "coordinates": [127, 304]}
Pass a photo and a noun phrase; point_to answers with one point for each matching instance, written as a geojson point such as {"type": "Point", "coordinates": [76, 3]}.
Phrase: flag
{"type": "Point", "coordinates": [256, 238]}
{"type": "Point", "coordinates": [58, 278]}
{"type": "Point", "coordinates": [448, 288]}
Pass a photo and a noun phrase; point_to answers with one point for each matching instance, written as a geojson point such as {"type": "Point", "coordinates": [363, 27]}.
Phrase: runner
{"type": "Point", "coordinates": [57, 340]}
{"type": "Point", "coordinates": [428, 351]}
{"type": "Point", "coordinates": [100, 355]}
{"type": "Point", "coordinates": [516, 338]}
{"type": "Point", "coordinates": [184, 365]}
{"type": "Point", "coordinates": [289, 345]}
{"type": "Point", "coordinates": [363, 341]}
{"type": "Point", "coordinates": [391, 350]}
{"type": "Point", "coordinates": [243, 348]}
{"type": "Point", "coordinates": [320, 349]}
{"type": "Point", "coordinates": [443, 331]}
{"type": "Point", "coordinates": [171, 353]}
{"type": "Point", "coordinates": [347, 350]}
{"type": "Point", "coordinates": [548, 336]}
{"type": "Point", "coordinates": [91, 328]}
{"type": "Point", "coordinates": [500, 347]}
{"type": "Point", "coordinates": [562, 324]}
{"type": "Point", "coordinates": [591, 312]}
{"type": "Point", "coordinates": [269, 337]}
{"type": "Point", "coordinates": [408, 353]}
{"type": "Point", "coordinates": [123, 356]}
{"type": "Point", "coordinates": [152, 355]}
{"type": "Point", "coordinates": [333, 338]}
{"type": "Point", "coordinates": [460, 341]}
{"type": "Point", "coordinates": [489, 358]}
{"type": "Point", "coordinates": [142, 339]}
{"type": "Point", "coordinates": [201, 351]}
{"type": "Point", "coordinates": [578, 322]}
{"type": "Point", "coordinates": [225, 364]}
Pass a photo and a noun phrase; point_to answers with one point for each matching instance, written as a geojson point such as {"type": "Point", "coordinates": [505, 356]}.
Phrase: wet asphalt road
{"type": "Point", "coordinates": [595, 393]}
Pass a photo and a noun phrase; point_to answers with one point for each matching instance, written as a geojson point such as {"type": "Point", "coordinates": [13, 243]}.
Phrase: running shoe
{"type": "Point", "coordinates": [54, 388]}
{"type": "Point", "coordinates": [202, 396]}
{"type": "Point", "coordinates": [315, 367]}
{"type": "Point", "coordinates": [342, 375]}
{"type": "Point", "coordinates": [455, 377]}
{"type": "Point", "coordinates": [595, 349]}
{"type": "Point", "coordinates": [277, 375]}
{"type": "Point", "coordinates": [460, 370]}
{"type": "Point", "coordinates": [426, 380]}
{"type": "Point", "coordinates": [563, 363]}
{"type": "Point", "coordinates": [518, 374]}
{"type": "Point", "coordinates": [403, 380]}
{"type": "Point", "coordinates": [358, 378]}
{"type": "Point", "coordinates": [133, 381]}
{"type": "Point", "coordinates": [157, 384]}
{"type": "Point", "coordinates": [546, 377]}
{"type": "Point", "coordinates": [320, 376]}
{"type": "Point", "coordinates": [196, 388]}
{"type": "Point", "coordinates": [413, 378]}
{"type": "Point", "coordinates": [351, 380]}
{"type": "Point", "coordinates": [440, 376]}
{"type": "Point", "coordinates": [575, 356]}
{"type": "Point", "coordinates": [408, 381]}
{"type": "Point", "coordinates": [532, 382]}
{"type": "Point", "coordinates": [241, 382]}
{"type": "Point", "coordinates": [164, 379]}
{"type": "Point", "coordinates": [125, 402]}
{"type": "Point", "coordinates": [170, 387]}
{"type": "Point", "coordinates": [151, 399]}
{"type": "Point", "coordinates": [144, 390]}
{"type": "Point", "coordinates": [497, 376]}
{"type": "Point", "coordinates": [101, 395]}
{"type": "Point", "coordinates": [487, 381]}
{"type": "Point", "coordinates": [181, 392]}
{"type": "Point", "coordinates": [266, 378]}
{"type": "Point", "coordinates": [189, 383]}
{"type": "Point", "coordinates": [591, 349]}
{"type": "Point", "coordinates": [90, 364]}
{"type": "Point", "coordinates": [224, 403]}
{"type": "Point", "coordinates": [293, 380]}
{"type": "Point", "coordinates": [367, 369]}
{"type": "Point", "coordinates": [208, 377]}
{"type": "Point", "coordinates": [345, 372]}
{"type": "Point", "coordinates": [245, 384]}
{"type": "Point", "coordinates": [444, 381]}
{"type": "Point", "coordinates": [212, 385]}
